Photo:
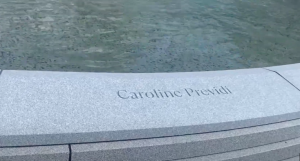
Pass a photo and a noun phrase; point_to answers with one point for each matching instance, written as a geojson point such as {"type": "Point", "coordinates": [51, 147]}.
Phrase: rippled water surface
{"type": "Point", "coordinates": [148, 35]}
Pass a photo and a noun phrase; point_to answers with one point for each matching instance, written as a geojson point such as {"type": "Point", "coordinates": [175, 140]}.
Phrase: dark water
{"type": "Point", "coordinates": [148, 35]}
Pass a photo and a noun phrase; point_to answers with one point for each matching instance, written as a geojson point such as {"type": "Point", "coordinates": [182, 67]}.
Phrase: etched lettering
{"type": "Point", "coordinates": [169, 94]}
{"type": "Point", "coordinates": [202, 91]}
{"type": "Point", "coordinates": [189, 91]}
{"type": "Point", "coordinates": [147, 94]}
{"type": "Point", "coordinates": [177, 93]}
{"type": "Point", "coordinates": [121, 95]}
{"type": "Point", "coordinates": [134, 95]}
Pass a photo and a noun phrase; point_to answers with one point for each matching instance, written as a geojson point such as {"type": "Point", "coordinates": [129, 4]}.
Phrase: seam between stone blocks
{"type": "Point", "coordinates": [70, 152]}
{"type": "Point", "coordinates": [283, 78]}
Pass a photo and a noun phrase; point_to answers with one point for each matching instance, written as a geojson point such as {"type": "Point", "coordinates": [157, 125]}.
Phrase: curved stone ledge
{"type": "Point", "coordinates": [297, 158]}
{"type": "Point", "coordinates": [45, 108]}
{"type": "Point", "coordinates": [275, 142]}
{"type": "Point", "coordinates": [189, 146]}
{"type": "Point", "coordinates": [272, 152]}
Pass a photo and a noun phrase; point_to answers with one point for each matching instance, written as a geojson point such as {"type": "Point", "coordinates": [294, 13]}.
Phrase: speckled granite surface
{"type": "Point", "coordinates": [72, 107]}
{"type": "Point", "coordinates": [148, 36]}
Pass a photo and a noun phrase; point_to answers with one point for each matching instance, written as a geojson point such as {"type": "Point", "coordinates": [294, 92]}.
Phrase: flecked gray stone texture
{"type": "Point", "coordinates": [64, 107]}
{"type": "Point", "coordinates": [297, 158]}
{"type": "Point", "coordinates": [41, 153]}
{"type": "Point", "coordinates": [169, 148]}
{"type": "Point", "coordinates": [272, 152]}
{"type": "Point", "coordinates": [289, 72]}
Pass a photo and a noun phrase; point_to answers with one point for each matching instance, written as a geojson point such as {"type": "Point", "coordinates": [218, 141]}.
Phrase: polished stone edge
{"type": "Point", "coordinates": [178, 147]}
{"type": "Point", "coordinates": [144, 75]}
{"type": "Point", "coordinates": [297, 158]}
{"type": "Point", "coordinates": [170, 148]}
{"type": "Point", "coordinates": [285, 67]}
{"type": "Point", "coordinates": [166, 75]}
{"type": "Point", "coordinates": [272, 152]}
{"type": "Point", "coordinates": [72, 138]}
{"type": "Point", "coordinates": [40, 153]}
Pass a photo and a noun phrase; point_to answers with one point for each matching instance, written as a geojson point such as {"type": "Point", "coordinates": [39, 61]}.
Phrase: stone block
{"type": "Point", "coordinates": [170, 148]}
{"type": "Point", "coordinates": [40, 108]}
{"type": "Point", "coordinates": [40, 153]}
{"type": "Point", "coordinates": [272, 152]}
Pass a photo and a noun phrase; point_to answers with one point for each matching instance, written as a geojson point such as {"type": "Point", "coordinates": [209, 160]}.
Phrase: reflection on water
{"type": "Point", "coordinates": [148, 36]}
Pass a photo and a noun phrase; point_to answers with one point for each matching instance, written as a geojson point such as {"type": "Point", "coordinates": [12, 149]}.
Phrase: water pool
{"type": "Point", "coordinates": [148, 36]}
